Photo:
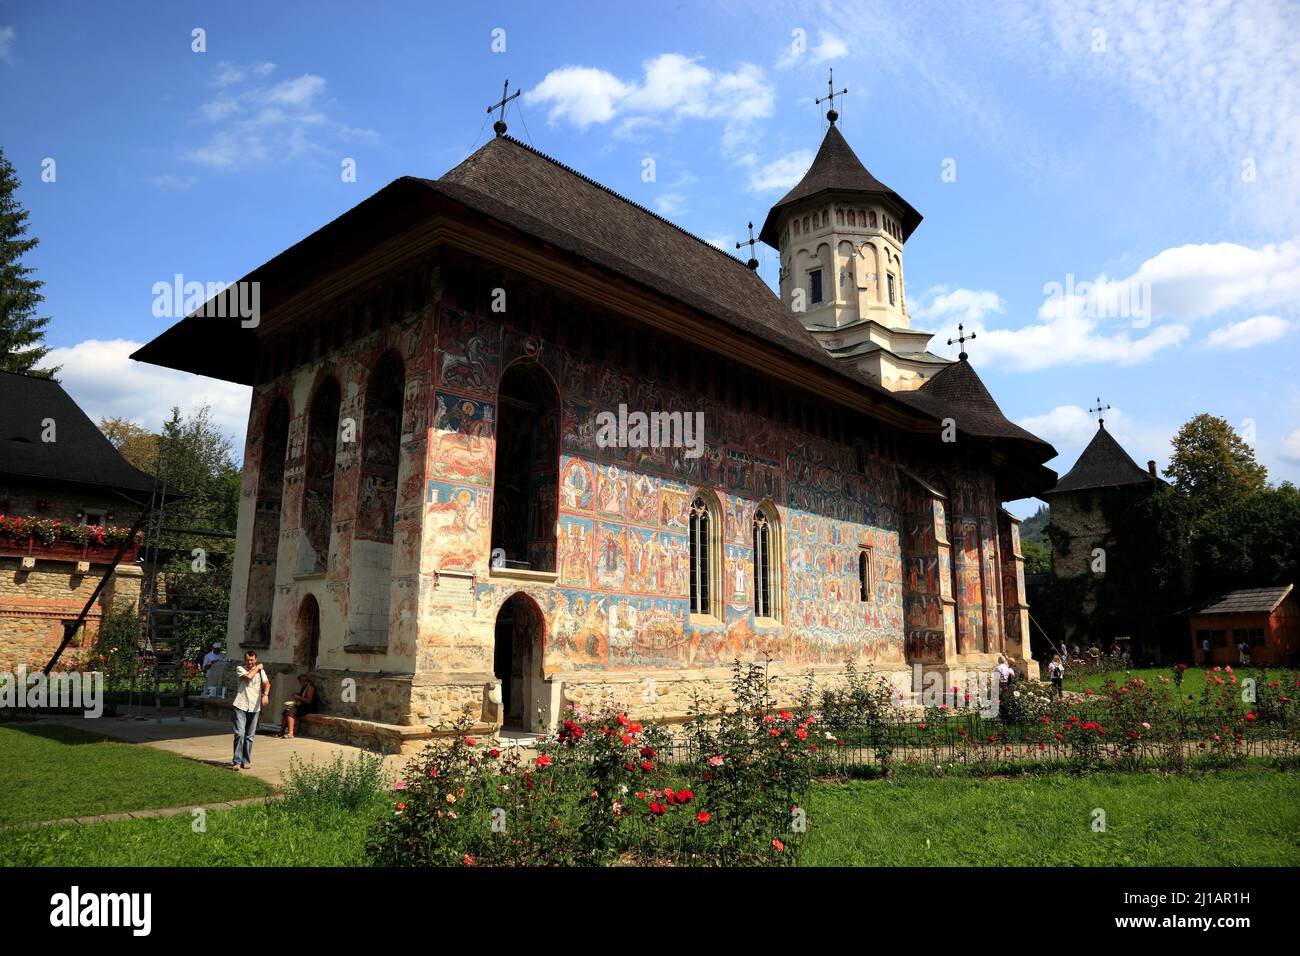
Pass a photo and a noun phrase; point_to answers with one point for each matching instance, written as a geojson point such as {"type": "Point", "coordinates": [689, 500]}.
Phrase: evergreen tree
{"type": "Point", "coordinates": [22, 332]}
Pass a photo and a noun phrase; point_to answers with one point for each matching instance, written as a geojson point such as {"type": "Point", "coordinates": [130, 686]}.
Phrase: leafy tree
{"type": "Point", "coordinates": [1038, 557]}
{"type": "Point", "coordinates": [136, 443]}
{"type": "Point", "coordinates": [1212, 466]}
{"type": "Point", "coordinates": [22, 332]}
{"type": "Point", "coordinates": [1251, 542]}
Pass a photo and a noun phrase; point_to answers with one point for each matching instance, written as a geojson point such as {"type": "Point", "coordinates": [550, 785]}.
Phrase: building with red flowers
{"type": "Point", "coordinates": [67, 500]}
{"type": "Point", "coordinates": [517, 442]}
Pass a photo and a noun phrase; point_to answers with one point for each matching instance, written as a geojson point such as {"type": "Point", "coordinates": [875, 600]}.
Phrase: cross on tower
{"type": "Point", "coordinates": [752, 263]}
{"type": "Point", "coordinates": [1101, 422]}
{"type": "Point", "coordinates": [499, 127]}
{"type": "Point", "coordinates": [961, 340]}
{"type": "Point", "coordinates": [830, 95]}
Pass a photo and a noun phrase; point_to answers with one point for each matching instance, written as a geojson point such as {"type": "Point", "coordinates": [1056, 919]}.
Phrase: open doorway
{"type": "Point", "coordinates": [517, 663]}
{"type": "Point", "coordinates": [526, 480]}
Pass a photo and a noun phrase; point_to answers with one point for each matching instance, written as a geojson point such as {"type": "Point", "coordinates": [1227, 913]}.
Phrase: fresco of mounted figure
{"type": "Point", "coordinates": [434, 520]}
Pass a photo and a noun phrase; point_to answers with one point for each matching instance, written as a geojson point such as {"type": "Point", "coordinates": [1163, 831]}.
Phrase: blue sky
{"type": "Point", "coordinates": [1149, 149]}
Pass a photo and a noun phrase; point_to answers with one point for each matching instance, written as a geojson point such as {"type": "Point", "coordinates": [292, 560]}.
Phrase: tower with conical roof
{"type": "Point", "coordinates": [840, 234]}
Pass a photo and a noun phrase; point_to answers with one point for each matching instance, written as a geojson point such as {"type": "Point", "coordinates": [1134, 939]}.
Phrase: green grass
{"type": "Point", "coordinates": [1193, 678]}
{"type": "Point", "coordinates": [52, 772]}
{"type": "Point", "coordinates": [1229, 818]}
{"type": "Point", "coordinates": [272, 834]}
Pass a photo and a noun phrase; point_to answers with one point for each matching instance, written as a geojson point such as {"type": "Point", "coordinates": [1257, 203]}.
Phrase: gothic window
{"type": "Point", "coordinates": [381, 444]}
{"type": "Point", "coordinates": [864, 574]}
{"type": "Point", "coordinates": [862, 217]}
{"type": "Point", "coordinates": [815, 285]}
{"type": "Point", "coordinates": [706, 554]}
{"type": "Point", "coordinates": [766, 563]}
{"type": "Point", "coordinates": [266, 524]}
{"type": "Point", "coordinates": [853, 219]}
{"type": "Point", "coordinates": [318, 479]}
{"type": "Point", "coordinates": [872, 218]}
{"type": "Point", "coordinates": [526, 478]}
{"type": "Point", "coordinates": [839, 217]}
{"type": "Point", "coordinates": [891, 288]}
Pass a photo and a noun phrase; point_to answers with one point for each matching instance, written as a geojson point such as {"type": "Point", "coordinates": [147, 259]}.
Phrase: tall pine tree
{"type": "Point", "coordinates": [22, 332]}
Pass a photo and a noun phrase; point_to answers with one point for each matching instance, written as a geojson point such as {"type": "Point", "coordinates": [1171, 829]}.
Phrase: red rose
{"type": "Point", "coordinates": [647, 766]}
{"type": "Point", "coordinates": [543, 761]}
{"type": "Point", "coordinates": [703, 817]}
{"type": "Point", "coordinates": [658, 809]}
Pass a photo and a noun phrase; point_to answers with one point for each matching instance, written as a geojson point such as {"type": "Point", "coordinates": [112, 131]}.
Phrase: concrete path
{"type": "Point", "coordinates": [212, 742]}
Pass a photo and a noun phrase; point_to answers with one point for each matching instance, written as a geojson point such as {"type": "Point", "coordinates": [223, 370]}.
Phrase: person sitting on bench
{"type": "Point", "coordinates": [298, 706]}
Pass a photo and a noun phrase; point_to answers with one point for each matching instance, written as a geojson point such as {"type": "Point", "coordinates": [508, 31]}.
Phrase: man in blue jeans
{"type": "Point", "coordinates": [254, 693]}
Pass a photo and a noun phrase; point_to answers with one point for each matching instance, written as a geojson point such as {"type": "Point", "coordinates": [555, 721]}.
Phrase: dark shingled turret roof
{"type": "Point", "coordinates": [1103, 464]}
{"type": "Point", "coordinates": [837, 168]}
{"type": "Point", "coordinates": [80, 454]}
{"type": "Point", "coordinates": [957, 391]}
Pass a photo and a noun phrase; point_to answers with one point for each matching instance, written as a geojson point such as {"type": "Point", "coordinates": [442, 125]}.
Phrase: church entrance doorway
{"type": "Point", "coordinates": [517, 662]}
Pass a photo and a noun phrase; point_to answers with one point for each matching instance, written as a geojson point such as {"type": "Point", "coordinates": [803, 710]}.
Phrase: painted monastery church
{"type": "Point", "coordinates": [429, 525]}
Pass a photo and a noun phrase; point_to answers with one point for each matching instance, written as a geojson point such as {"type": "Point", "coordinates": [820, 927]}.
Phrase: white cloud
{"type": "Point", "coordinates": [830, 46]}
{"type": "Point", "coordinates": [967, 306]}
{"type": "Point", "coordinates": [6, 41]}
{"type": "Point", "coordinates": [1219, 81]}
{"type": "Point", "coordinates": [102, 379]}
{"type": "Point", "coordinates": [263, 122]}
{"type": "Point", "coordinates": [1291, 446]}
{"type": "Point", "coordinates": [672, 87]}
{"type": "Point", "coordinates": [1249, 332]}
{"type": "Point", "coordinates": [781, 173]}
{"type": "Point", "coordinates": [669, 204]}
{"type": "Point", "coordinates": [1128, 320]}
{"type": "Point", "coordinates": [173, 181]}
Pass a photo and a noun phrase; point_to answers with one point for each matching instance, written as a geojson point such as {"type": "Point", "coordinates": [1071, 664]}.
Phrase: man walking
{"type": "Point", "coordinates": [253, 694]}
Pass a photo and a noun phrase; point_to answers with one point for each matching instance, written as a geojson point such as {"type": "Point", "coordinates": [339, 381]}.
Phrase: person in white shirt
{"type": "Point", "coordinates": [213, 656]}
{"type": "Point", "coordinates": [1056, 671]}
{"type": "Point", "coordinates": [254, 693]}
{"type": "Point", "coordinates": [1006, 673]}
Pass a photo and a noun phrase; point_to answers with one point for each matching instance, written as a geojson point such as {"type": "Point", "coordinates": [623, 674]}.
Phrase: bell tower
{"type": "Point", "coordinates": [840, 233]}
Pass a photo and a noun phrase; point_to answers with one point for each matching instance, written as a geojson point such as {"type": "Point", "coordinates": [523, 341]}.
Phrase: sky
{"type": "Point", "coordinates": [1111, 191]}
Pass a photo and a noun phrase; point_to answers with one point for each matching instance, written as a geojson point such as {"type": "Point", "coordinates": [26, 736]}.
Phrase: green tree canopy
{"type": "Point", "coordinates": [1212, 465]}
{"type": "Point", "coordinates": [22, 332]}
{"type": "Point", "coordinates": [1253, 541]}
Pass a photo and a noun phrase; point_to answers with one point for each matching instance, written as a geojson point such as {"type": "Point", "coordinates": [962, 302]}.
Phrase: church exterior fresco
{"type": "Point", "coordinates": [619, 600]}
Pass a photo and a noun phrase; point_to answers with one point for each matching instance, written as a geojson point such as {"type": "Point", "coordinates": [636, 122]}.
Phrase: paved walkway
{"type": "Point", "coordinates": [212, 742]}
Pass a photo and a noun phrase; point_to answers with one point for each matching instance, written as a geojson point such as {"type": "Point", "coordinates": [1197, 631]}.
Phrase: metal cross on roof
{"type": "Point", "coordinates": [499, 127]}
{"type": "Point", "coordinates": [752, 263]}
{"type": "Point", "coordinates": [961, 340]}
{"type": "Point", "coordinates": [1101, 422]}
{"type": "Point", "coordinates": [830, 95]}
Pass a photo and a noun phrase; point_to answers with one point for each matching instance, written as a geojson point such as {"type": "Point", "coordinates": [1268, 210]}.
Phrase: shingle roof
{"type": "Point", "coordinates": [80, 454]}
{"type": "Point", "coordinates": [957, 391]}
{"type": "Point", "coordinates": [538, 195]}
{"type": "Point", "coordinates": [514, 184]}
{"type": "Point", "coordinates": [1246, 601]}
{"type": "Point", "coordinates": [1103, 464]}
{"type": "Point", "coordinates": [836, 168]}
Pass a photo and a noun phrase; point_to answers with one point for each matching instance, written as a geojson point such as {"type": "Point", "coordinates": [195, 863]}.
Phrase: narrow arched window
{"type": "Point", "coordinates": [704, 557]}
{"type": "Point", "coordinates": [839, 217]}
{"type": "Point", "coordinates": [767, 549]}
{"type": "Point", "coordinates": [853, 218]}
{"type": "Point", "coordinates": [864, 574]}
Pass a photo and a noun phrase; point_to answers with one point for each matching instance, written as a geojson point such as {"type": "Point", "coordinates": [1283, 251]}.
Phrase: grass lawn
{"type": "Point", "coordinates": [272, 834]}
{"type": "Point", "coordinates": [1229, 818]}
{"type": "Point", "coordinates": [52, 772]}
{"type": "Point", "coordinates": [1193, 679]}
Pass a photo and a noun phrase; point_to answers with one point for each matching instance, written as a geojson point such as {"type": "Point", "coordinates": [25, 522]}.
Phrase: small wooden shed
{"type": "Point", "coordinates": [1268, 619]}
